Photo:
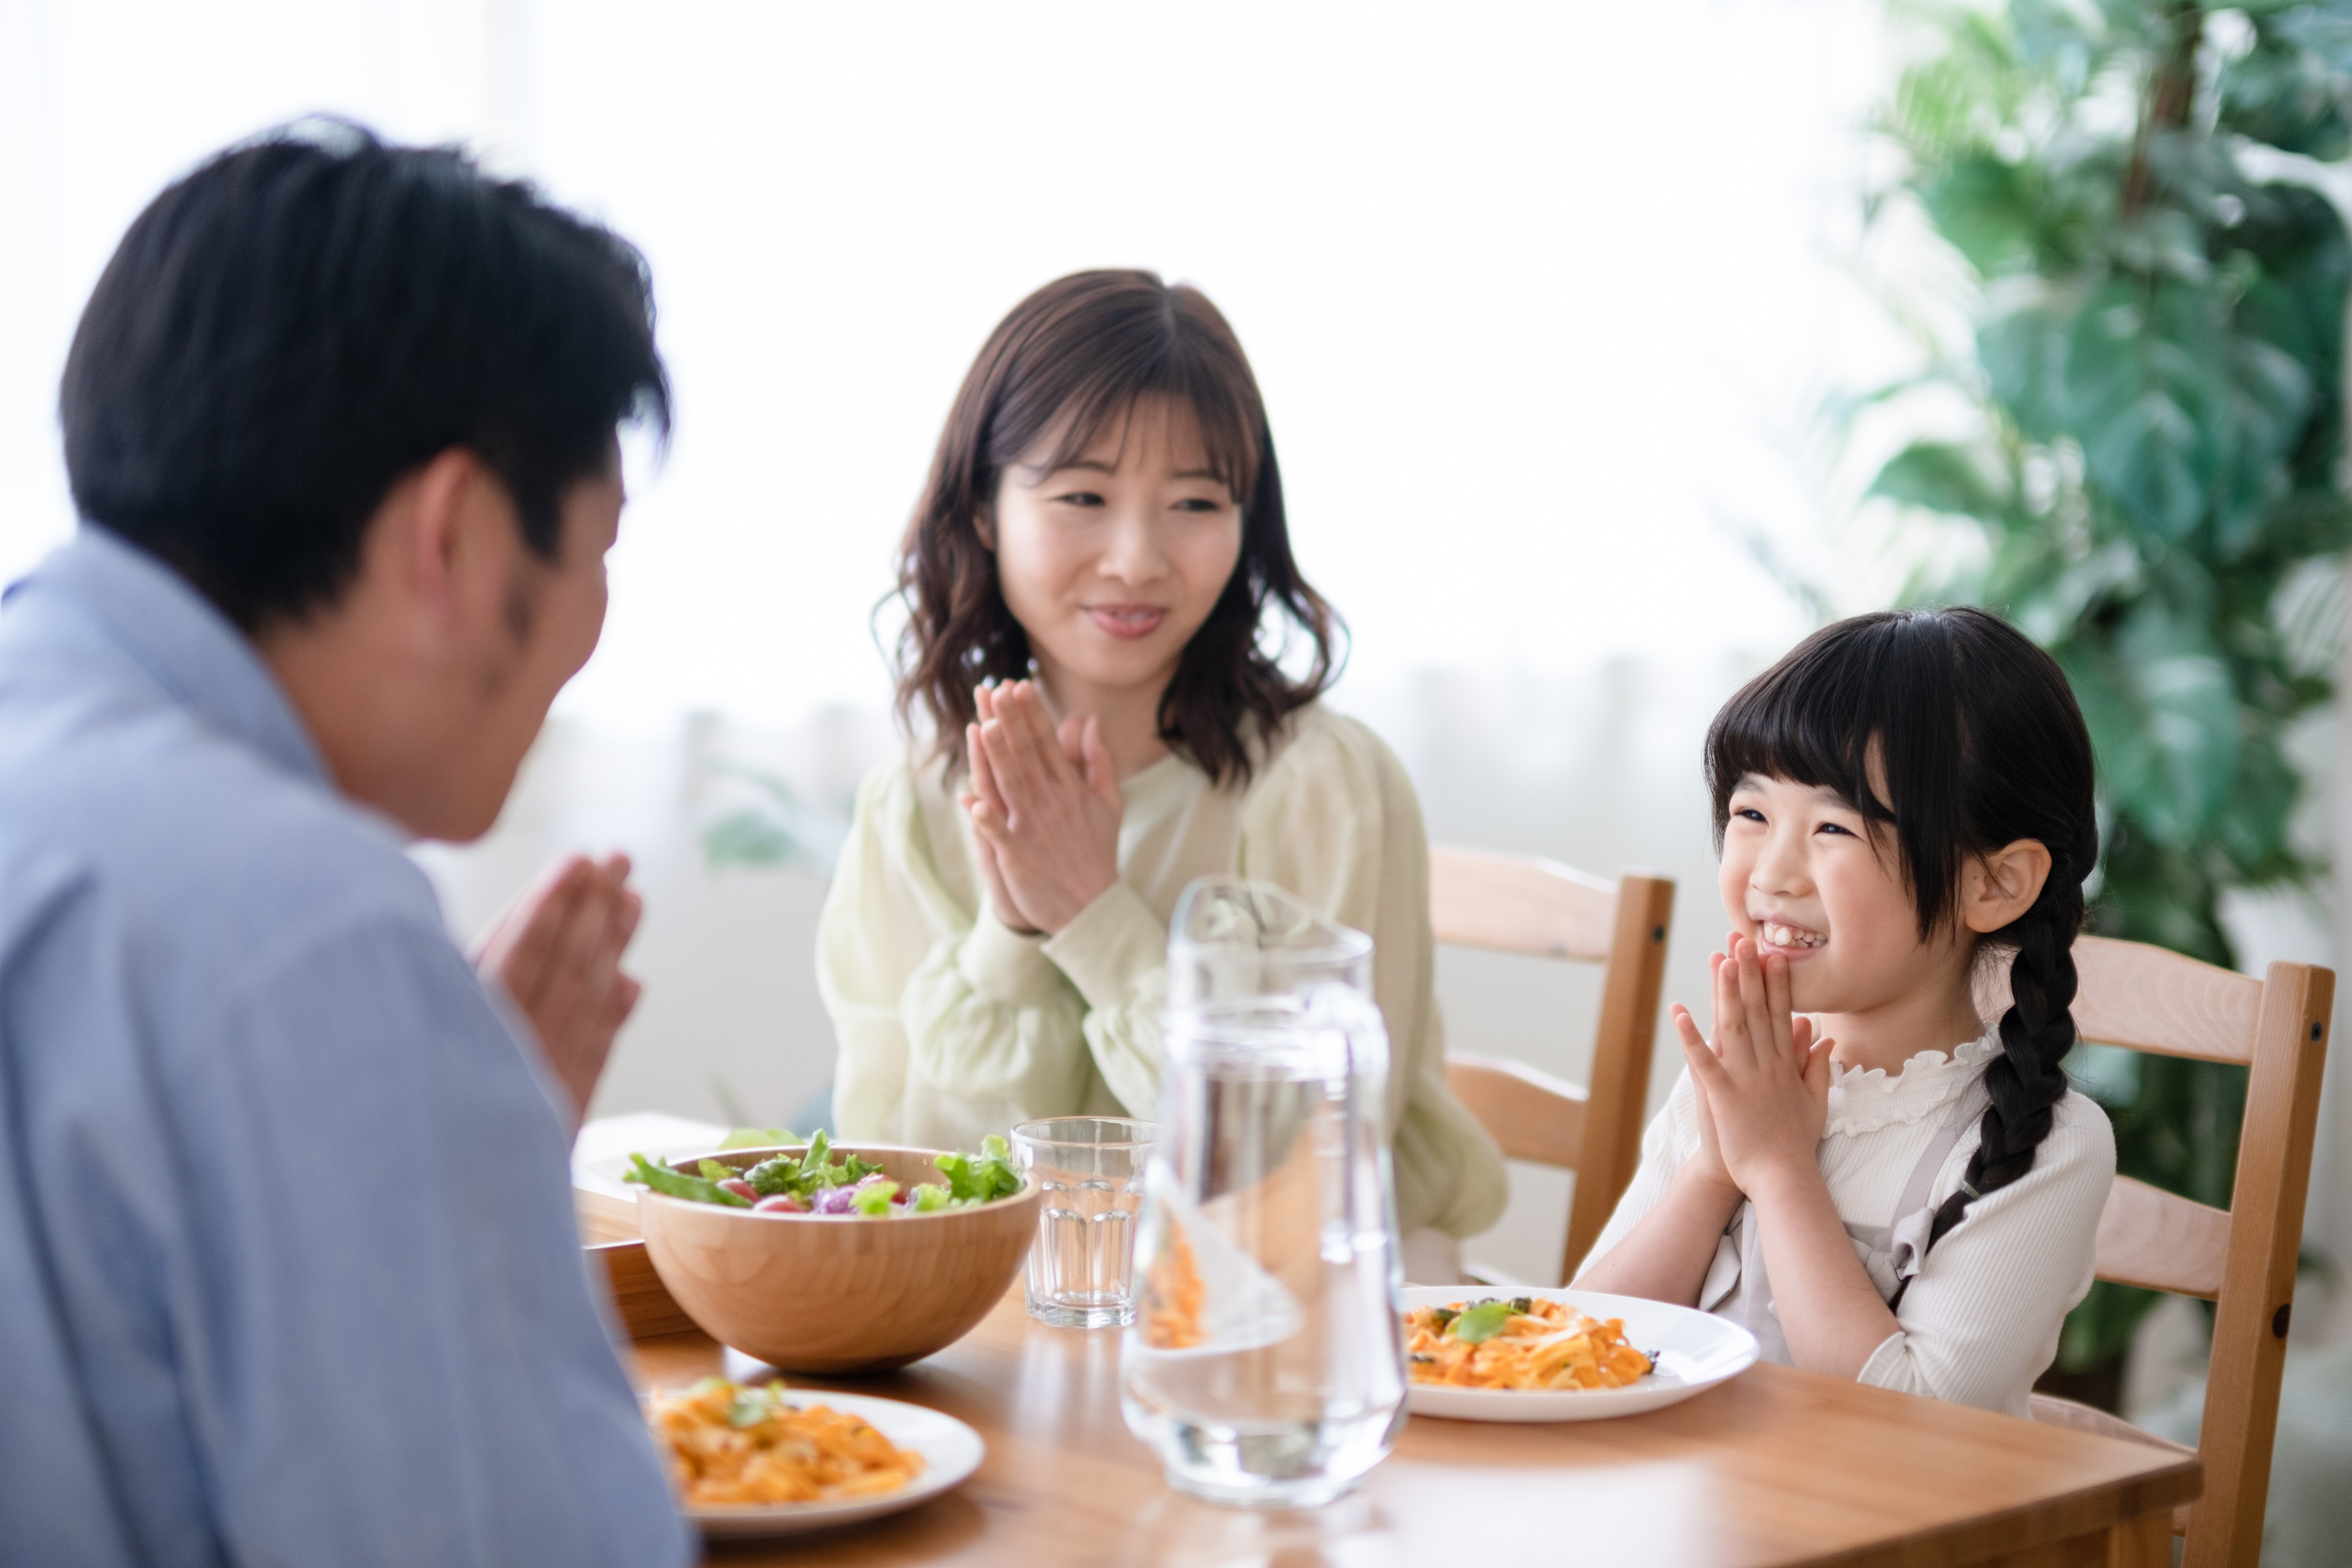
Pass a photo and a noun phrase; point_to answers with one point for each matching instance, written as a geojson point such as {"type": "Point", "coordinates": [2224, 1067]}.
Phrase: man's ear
{"type": "Point", "coordinates": [438, 539]}
{"type": "Point", "coordinates": [1997, 887]}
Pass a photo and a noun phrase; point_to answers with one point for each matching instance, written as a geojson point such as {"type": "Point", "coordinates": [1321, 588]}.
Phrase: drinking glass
{"type": "Point", "coordinates": [1266, 1364]}
{"type": "Point", "coordinates": [1090, 1168]}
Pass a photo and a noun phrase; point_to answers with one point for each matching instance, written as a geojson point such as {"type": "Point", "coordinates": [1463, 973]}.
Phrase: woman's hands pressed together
{"type": "Point", "coordinates": [1763, 1082]}
{"type": "Point", "coordinates": [1045, 807]}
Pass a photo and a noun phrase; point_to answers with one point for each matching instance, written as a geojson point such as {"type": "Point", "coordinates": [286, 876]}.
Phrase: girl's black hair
{"type": "Point", "coordinates": [1979, 743]}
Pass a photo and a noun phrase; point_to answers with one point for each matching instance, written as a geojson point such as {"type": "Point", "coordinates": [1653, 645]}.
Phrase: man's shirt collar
{"type": "Point", "coordinates": [179, 639]}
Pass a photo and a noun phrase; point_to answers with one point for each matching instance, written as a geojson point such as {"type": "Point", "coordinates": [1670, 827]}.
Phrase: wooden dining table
{"type": "Point", "coordinates": [1776, 1467]}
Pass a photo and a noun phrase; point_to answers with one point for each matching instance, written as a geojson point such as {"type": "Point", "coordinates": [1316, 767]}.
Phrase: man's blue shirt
{"type": "Point", "coordinates": [287, 1269]}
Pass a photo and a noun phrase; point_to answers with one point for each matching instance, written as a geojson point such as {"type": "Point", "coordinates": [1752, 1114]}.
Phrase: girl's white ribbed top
{"type": "Point", "coordinates": [1980, 1322]}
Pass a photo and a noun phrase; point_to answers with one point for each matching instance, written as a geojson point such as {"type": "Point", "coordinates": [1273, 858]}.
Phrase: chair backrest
{"type": "Point", "coordinates": [1514, 903]}
{"type": "Point", "coordinates": [2147, 999]}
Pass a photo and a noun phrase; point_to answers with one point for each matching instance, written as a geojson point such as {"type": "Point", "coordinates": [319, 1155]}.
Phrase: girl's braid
{"type": "Point", "coordinates": [2036, 1033]}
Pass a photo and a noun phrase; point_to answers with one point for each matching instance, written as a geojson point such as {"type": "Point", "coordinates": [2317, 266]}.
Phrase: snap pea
{"type": "Point", "coordinates": [678, 1185]}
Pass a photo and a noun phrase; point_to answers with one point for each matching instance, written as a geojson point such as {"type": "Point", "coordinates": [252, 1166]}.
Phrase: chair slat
{"type": "Point", "coordinates": [1533, 1115]}
{"type": "Point", "coordinates": [1620, 1059]}
{"type": "Point", "coordinates": [1516, 905]}
{"type": "Point", "coordinates": [2151, 1000]}
{"type": "Point", "coordinates": [2160, 1241]}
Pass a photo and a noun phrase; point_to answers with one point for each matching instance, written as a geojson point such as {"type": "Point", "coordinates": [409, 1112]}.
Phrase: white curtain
{"type": "Point", "coordinates": [1543, 297]}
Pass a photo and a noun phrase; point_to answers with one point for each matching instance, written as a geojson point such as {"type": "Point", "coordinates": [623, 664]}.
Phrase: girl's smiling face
{"type": "Point", "coordinates": [1804, 878]}
{"type": "Point", "coordinates": [1111, 561]}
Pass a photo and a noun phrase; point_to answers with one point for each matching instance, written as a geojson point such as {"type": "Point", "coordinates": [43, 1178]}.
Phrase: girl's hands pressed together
{"type": "Point", "coordinates": [1045, 807]}
{"type": "Point", "coordinates": [1763, 1082]}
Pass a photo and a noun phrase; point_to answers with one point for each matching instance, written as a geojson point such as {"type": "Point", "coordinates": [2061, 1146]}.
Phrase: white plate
{"type": "Point", "coordinates": [951, 1452]}
{"type": "Point", "coordinates": [1694, 1352]}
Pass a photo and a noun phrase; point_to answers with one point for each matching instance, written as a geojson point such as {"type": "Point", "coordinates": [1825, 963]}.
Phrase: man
{"type": "Point", "coordinates": [288, 1270]}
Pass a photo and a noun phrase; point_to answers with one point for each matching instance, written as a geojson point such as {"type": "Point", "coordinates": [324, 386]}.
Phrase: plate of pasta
{"type": "Point", "coordinates": [760, 1459]}
{"type": "Point", "coordinates": [1520, 1353]}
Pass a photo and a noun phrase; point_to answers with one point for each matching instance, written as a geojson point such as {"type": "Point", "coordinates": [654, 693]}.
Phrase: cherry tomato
{"type": "Point", "coordinates": [783, 1202]}
{"type": "Point", "coordinates": [740, 1188]}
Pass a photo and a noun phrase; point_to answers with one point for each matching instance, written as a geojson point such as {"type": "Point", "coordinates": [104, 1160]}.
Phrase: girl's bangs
{"type": "Point", "coordinates": [1810, 721]}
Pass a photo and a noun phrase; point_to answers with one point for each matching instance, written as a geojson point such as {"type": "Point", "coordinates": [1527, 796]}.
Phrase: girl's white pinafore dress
{"type": "Point", "coordinates": [1736, 1286]}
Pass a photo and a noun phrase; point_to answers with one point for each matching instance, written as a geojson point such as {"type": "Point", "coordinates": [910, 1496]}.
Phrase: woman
{"type": "Point", "coordinates": [1089, 580]}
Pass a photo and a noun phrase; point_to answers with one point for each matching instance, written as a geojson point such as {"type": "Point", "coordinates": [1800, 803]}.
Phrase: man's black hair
{"type": "Point", "coordinates": [305, 319]}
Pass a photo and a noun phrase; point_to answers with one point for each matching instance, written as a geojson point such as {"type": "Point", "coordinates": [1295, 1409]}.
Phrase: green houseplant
{"type": "Point", "coordinates": [2158, 379]}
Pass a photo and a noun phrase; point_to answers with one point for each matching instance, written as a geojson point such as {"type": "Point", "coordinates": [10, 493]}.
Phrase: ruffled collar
{"type": "Point", "coordinates": [1863, 1100]}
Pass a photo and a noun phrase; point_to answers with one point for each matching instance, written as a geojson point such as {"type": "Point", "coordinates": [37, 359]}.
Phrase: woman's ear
{"type": "Point", "coordinates": [983, 524]}
{"type": "Point", "coordinates": [1997, 887]}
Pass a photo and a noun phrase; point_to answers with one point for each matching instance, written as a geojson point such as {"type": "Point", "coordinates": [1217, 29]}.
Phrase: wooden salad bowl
{"type": "Point", "coordinates": [835, 1294]}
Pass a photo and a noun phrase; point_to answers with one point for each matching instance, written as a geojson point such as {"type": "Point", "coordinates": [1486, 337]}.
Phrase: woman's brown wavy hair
{"type": "Point", "coordinates": [1090, 345]}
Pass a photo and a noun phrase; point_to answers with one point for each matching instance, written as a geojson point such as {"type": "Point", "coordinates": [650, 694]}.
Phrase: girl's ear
{"type": "Point", "coordinates": [1997, 887]}
{"type": "Point", "coordinates": [983, 524]}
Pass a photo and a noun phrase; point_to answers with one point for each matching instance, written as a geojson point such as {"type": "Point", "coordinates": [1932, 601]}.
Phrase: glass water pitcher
{"type": "Point", "coordinates": [1265, 1364]}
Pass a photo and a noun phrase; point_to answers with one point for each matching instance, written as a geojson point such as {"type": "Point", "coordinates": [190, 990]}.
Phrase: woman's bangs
{"type": "Point", "coordinates": [1229, 448]}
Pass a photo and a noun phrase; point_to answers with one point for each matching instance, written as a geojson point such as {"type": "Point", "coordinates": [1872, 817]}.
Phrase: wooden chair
{"type": "Point", "coordinates": [1515, 904]}
{"type": "Point", "coordinates": [2147, 999]}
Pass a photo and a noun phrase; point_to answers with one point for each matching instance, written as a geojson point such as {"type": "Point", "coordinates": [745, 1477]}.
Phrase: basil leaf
{"type": "Point", "coordinates": [1482, 1322]}
{"type": "Point", "coordinates": [750, 1407]}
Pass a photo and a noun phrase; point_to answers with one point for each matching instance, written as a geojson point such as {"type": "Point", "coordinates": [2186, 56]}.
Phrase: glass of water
{"type": "Point", "coordinates": [1090, 1170]}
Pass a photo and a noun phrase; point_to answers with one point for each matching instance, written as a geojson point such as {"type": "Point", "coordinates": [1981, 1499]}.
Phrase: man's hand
{"type": "Point", "coordinates": [556, 952]}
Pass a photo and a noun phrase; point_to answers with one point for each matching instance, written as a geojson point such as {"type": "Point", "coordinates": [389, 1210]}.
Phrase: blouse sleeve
{"type": "Point", "coordinates": [1336, 823]}
{"type": "Point", "coordinates": [1671, 1138]}
{"type": "Point", "coordinates": [943, 1014]}
{"type": "Point", "coordinates": [1981, 1318]}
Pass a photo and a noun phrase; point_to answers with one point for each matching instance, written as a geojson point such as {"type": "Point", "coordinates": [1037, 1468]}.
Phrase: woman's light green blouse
{"type": "Point", "coordinates": [952, 1026]}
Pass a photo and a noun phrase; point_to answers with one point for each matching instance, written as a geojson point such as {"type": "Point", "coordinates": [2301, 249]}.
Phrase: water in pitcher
{"type": "Point", "coordinates": [1266, 1364]}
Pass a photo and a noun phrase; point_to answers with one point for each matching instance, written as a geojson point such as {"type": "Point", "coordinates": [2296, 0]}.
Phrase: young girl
{"type": "Point", "coordinates": [1892, 1190]}
{"type": "Point", "coordinates": [1099, 587]}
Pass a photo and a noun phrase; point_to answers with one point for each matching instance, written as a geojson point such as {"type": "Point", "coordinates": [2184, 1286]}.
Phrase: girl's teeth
{"type": "Point", "coordinates": [1789, 936]}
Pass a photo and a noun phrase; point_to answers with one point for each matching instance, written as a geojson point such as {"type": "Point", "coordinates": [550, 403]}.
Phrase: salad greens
{"type": "Point", "coordinates": [822, 1180]}
{"type": "Point", "coordinates": [977, 1178]}
{"type": "Point", "coordinates": [758, 1138]}
{"type": "Point", "coordinates": [804, 1175]}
